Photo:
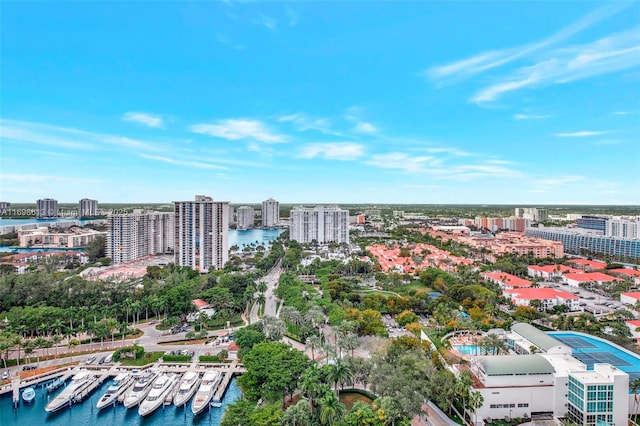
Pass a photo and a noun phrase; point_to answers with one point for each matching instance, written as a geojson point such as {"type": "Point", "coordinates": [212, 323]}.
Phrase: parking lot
{"type": "Point", "coordinates": [590, 301]}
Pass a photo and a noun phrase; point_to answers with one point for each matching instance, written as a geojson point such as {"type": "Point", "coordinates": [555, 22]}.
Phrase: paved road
{"type": "Point", "coordinates": [271, 301]}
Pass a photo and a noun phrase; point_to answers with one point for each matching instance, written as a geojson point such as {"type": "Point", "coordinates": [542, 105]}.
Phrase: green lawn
{"type": "Point", "coordinates": [147, 358]}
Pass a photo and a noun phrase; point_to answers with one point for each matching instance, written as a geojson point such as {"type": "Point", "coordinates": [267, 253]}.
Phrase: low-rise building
{"type": "Point", "coordinates": [54, 237]}
{"type": "Point", "coordinates": [626, 273]}
{"type": "Point", "coordinates": [575, 280]}
{"type": "Point", "coordinates": [550, 271]}
{"type": "Point", "coordinates": [630, 298]}
{"type": "Point", "coordinates": [506, 281]}
{"type": "Point", "coordinates": [548, 297]}
{"type": "Point", "coordinates": [586, 264]}
{"type": "Point", "coordinates": [634, 327]}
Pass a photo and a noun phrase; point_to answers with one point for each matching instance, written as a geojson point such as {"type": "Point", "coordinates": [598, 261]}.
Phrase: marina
{"type": "Point", "coordinates": [89, 386]}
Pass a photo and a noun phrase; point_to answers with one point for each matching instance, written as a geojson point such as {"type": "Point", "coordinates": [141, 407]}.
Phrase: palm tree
{"type": "Point", "coordinates": [465, 380]}
{"type": "Point", "coordinates": [39, 343]}
{"type": "Point", "coordinates": [475, 401]}
{"type": "Point", "coordinates": [273, 328]}
{"type": "Point", "coordinates": [315, 316]}
{"type": "Point", "coordinates": [314, 342]}
{"type": "Point", "coordinates": [17, 341]}
{"type": "Point", "coordinates": [635, 387]}
{"type": "Point", "coordinates": [262, 286]}
{"type": "Point", "coordinates": [340, 373]}
{"type": "Point", "coordinates": [55, 340]}
{"type": "Point", "coordinates": [350, 342]}
{"type": "Point", "coordinates": [332, 411]}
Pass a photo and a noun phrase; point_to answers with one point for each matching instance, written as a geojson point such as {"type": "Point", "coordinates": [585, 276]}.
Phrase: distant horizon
{"type": "Point", "coordinates": [526, 103]}
{"type": "Point", "coordinates": [315, 203]}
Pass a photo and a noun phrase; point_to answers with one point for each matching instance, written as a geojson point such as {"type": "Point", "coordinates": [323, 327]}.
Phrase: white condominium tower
{"type": "Point", "coordinates": [321, 224]}
{"type": "Point", "coordinates": [245, 217]}
{"type": "Point", "coordinates": [47, 207]}
{"type": "Point", "coordinates": [201, 233]}
{"type": "Point", "coordinates": [87, 208]}
{"type": "Point", "coordinates": [137, 235]}
{"type": "Point", "coordinates": [270, 213]}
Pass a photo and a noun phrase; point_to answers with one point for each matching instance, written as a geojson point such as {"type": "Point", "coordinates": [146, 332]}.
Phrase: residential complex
{"type": "Point", "coordinates": [513, 243]}
{"type": "Point", "coordinates": [87, 208]}
{"type": "Point", "coordinates": [588, 241]}
{"type": "Point", "coordinates": [270, 213]}
{"type": "Point", "coordinates": [534, 214]}
{"type": "Point", "coordinates": [494, 224]}
{"type": "Point", "coordinates": [246, 217]}
{"type": "Point", "coordinates": [201, 233]}
{"type": "Point", "coordinates": [418, 257]}
{"type": "Point", "coordinates": [46, 207]}
{"type": "Point", "coordinates": [320, 224]}
{"type": "Point", "coordinates": [134, 236]}
{"type": "Point", "coordinates": [43, 237]}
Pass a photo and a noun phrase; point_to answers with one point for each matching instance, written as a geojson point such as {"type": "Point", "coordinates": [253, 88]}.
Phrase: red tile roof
{"type": "Point", "coordinates": [591, 276]}
{"type": "Point", "coordinates": [200, 304]}
{"type": "Point", "coordinates": [563, 269]}
{"type": "Point", "coordinates": [593, 264]}
{"type": "Point", "coordinates": [507, 280]}
{"type": "Point", "coordinates": [233, 346]}
{"type": "Point", "coordinates": [633, 295]}
{"type": "Point", "coordinates": [542, 293]}
{"type": "Point", "coordinates": [626, 271]}
{"type": "Point", "coordinates": [634, 323]}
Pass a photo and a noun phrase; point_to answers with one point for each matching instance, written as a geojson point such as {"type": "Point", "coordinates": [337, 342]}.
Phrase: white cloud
{"type": "Point", "coordinates": [495, 58]}
{"type": "Point", "coordinates": [615, 53]}
{"type": "Point", "coordinates": [186, 163]}
{"type": "Point", "coordinates": [364, 127]}
{"type": "Point", "coordinates": [333, 151]}
{"type": "Point", "coordinates": [144, 118]}
{"type": "Point", "coordinates": [579, 134]}
{"type": "Point", "coordinates": [530, 117]}
{"type": "Point", "coordinates": [269, 22]}
{"type": "Point", "coordinates": [237, 129]}
{"type": "Point", "coordinates": [66, 137]}
{"type": "Point", "coordinates": [624, 112]}
{"type": "Point", "coordinates": [303, 122]}
{"type": "Point", "coordinates": [401, 161]}
{"type": "Point", "coordinates": [452, 151]}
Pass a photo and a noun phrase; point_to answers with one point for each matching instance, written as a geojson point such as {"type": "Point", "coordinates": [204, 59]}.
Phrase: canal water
{"type": "Point", "coordinates": [85, 412]}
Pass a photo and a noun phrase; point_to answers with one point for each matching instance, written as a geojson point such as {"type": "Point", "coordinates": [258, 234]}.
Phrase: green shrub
{"type": "Point", "coordinates": [176, 358]}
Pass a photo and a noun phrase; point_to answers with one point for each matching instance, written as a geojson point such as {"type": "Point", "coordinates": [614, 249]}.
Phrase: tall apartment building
{"type": "Point", "coordinates": [598, 223]}
{"type": "Point", "coordinates": [498, 223]}
{"type": "Point", "coordinates": [321, 224]}
{"type": "Point", "coordinates": [270, 213]}
{"type": "Point", "coordinates": [87, 208]}
{"type": "Point", "coordinates": [532, 213]}
{"type": "Point", "coordinates": [137, 235]}
{"type": "Point", "coordinates": [201, 233]}
{"type": "Point", "coordinates": [622, 227]}
{"type": "Point", "coordinates": [246, 217]}
{"type": "Point", "coordinates": [46, 207]}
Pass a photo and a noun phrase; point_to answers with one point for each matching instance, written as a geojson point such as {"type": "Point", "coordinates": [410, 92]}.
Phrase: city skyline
{"type": "Point", "coordinates": [388, 103]}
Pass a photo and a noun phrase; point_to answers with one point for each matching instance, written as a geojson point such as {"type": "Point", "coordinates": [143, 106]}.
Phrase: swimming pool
{"type": "Point", "coordinates": [470, 349]}
{"type": "Point", "coordinates": [591, 350]}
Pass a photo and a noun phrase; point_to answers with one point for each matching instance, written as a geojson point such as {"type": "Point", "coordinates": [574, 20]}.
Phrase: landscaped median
{"type": "Point", "coordinates": [135, 356]}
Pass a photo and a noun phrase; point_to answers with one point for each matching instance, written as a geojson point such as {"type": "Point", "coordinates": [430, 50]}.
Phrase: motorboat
{"type": "Point", "coordinates": [208, 386]}
{"type": "Point", "coordinates": [119, 384]}
{"type": "Point", "coordinates": [188, 387]}
{"type": "Point", "coordinates": [80, 382]}
{"type": "Point", "coordinates": [159, 390]}
{"type": "Point", "coordinates": [55, 384]}
{"type": "Point", "coordinates": [28, 394]}
{"type": "Point", "coordinates": [140, 389]}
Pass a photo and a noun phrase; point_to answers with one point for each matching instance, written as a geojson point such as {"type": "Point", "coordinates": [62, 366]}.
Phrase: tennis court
{"type": "Point", "coordinates": [592, 350]}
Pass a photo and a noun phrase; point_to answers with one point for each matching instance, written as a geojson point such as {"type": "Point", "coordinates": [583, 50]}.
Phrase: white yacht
{"type": "Point", "coordinates": [139, 390]}
{"type": "Point", "coordinates": [188, 387]}
{"type": "Point", "coordinates": [207, 388]}
{"type": "Point", "coordinates": [117, 386]}
{"type": "Point", "coordinates": [80, 382]}
{"type": "Point", "coordinates": [159, 390]}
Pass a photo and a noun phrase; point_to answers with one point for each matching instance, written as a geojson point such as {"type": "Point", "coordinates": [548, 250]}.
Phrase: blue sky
{"type": "Point", "coordinates": [357, 102]}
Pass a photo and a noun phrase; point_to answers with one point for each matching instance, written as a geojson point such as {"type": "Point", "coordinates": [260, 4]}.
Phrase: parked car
{"type": "Point", "coordinates": [5, 375]}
